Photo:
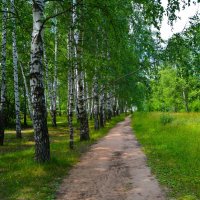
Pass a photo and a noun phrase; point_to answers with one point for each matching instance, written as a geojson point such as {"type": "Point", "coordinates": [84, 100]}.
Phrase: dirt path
{"type": "Point", "coordinates": [114, 169]}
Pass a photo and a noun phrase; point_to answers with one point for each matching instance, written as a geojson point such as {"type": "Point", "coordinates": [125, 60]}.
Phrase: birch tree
{"type": "Point", "coordinates": [42, 146]}
{"type": "Point", "coordinates": [27, 92]}
{"type": "Point", "coordinates": [81, 104]}
{"type": "Point", "coordinates": [3, 72]}
{"type": "Point", "coordinates": [70, 111]}
{"type": "Point", "coordinates": [109, 106]}
{"type": "Point", "coordinates": [71, 87]}
{"type": "Point", "coordinates": [82, 112]}
{"type": "Point", "coordinates": [102, 115]}
{"type": "Point", "coordinates": [54, 92]}
{"type": "Point", "coordinates": [96, 104]}
{"type": "Point", "coordinates": [15, 67]}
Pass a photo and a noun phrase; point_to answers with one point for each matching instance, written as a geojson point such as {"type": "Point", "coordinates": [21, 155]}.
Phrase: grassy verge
{"type": "Point", "coordinates": [172, 144]}
{"type": "Point", "coordinates": [23, 179]}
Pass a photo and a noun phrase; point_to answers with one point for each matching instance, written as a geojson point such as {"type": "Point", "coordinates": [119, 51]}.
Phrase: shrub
{"type": "Point", "coordinates": [166, 119]}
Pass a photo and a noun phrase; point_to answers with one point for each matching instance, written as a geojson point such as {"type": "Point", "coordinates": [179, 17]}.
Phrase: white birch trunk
{"type": "Point", "coordinates": [71, 83]}
{"type": "Point", "coordinates": [42, 146]}
{"type": "Point", "coordinates": [3, 73]}
{"type": "Point", "coordinates": [91, 107]}
{"type": "Point", "coordinates": [70, 106]}
{"type": "Point", "coordinates": [96, 104]}
{"type": "Point", "coordinates": [86, 93]}
{"type": "Point", "coordinates": [27, 92]}
{"type": "Point", "coordinates": [15, 67]}
{"type": "Point", "coordinates": [96, 92]}
{"type": "Point", "coordinates": [76, 87]}
{"type": "Point", "coordinates": [54, 95]}
{"type": "Point", "coordinates": [84, 126]}
{"type": "Point", "coordinates": [82, 112]}
{"type": "Point", "coordinates": [109, 106]}
{"type": "Point", "coordinates": [48, 86]}
{"type": "Point", "coordinates": [102, 110]}
{"type": "Point", "coordinates": [117, 107]}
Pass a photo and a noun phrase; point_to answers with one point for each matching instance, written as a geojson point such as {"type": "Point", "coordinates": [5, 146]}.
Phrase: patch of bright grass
{"type": "Point", "coordinates": [173, 150]}
{"type": "Point", "coordinates": [21, 178]}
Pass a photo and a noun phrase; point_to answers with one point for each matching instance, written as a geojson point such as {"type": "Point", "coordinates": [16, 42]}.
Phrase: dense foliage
{"type": "Point", "coordinates": [92, 59]}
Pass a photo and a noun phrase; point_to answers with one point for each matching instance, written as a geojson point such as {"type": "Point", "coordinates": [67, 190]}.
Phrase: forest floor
{"type": "Point", "coordinates": [114, 169]}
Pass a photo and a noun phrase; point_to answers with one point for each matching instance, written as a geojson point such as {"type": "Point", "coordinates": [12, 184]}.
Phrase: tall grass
{"type": "Point", "coordinates": [23, 179]}
{"type": "Point", "coordinates": [173, 150]}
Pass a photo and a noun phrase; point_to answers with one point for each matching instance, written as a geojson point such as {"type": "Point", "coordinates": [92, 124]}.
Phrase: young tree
{"type": "Point", "coordinates": [3, 72]}
{"type": "Point", "coordinates": [96, 103]}
{"type": "Point", "coordinates": [27, 93]}
{"type": "Point", "coordinates": [54, 88]}
{"type": "Point", "coordinates": [15, 67]}
{"type": "Point", "coordinates": [71, 54]}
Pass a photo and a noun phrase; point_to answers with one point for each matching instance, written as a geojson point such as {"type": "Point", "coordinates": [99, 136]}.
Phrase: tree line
{"type": "Point", "coordinates": [86, 59]}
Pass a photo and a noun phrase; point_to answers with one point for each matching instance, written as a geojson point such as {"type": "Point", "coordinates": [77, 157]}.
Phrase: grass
{"type": "Point", "coordinates": [21, 178]}
{"type": "Point", "coordinates": [173, 150]}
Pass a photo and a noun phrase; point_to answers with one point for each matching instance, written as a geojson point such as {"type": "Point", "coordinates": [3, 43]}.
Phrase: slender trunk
{"type": "Point", "coordinates": [74, 40]}
{"type": "Point", "coordinates": [70, 111]}
{"type": "Point", "coordinates": [15, 67]}
{"type": "Point", "coordinates": [68, 96]}
{"type": "Point", "coordinates": [86, 94]}
{"type": "Point", "coordinates": [82, 112]}
{"type": "Point", "coordinates": [185, 99]}
{"type": "Point", "coordinates": [96, 104]}
{"type": "Point", "coordinates": [25, 121]}
{"type": "Point", "coordinates": [42, 146]}
{"type": "Point", "coordinates": [47, 83]}
{"type": "Point", "coordinates": [27, 93]}
{"type": "Point", "coordinates": [49, 86]}
{"type": "Point", "coordinates": [114, 107]}
{"type": "Point", "coordinates": [70, 84]}
{"type": "Point", "coordinates": [59, 104]}
{"type": "Point", "coordinates": [117, 107]}
{"type": "Point", "coordinates": [3, 73]}
{"type": "Point", "coordinates": [91, 106]}
{"type": "Point", "coordinates": [84, 126]}
{"type": "Point", "coordinates": [76, 88]}
{"type": "Point", "coordinates": [102, 111]}
{"type": "Point", "coordinates": [109, 107]}
{"type": "Point", "coordinates": [54, 96]}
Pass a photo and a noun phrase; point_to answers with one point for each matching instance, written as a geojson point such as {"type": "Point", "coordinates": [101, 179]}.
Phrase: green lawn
{"type": "Point", "coordinates": [23, 179]}
{"type": "Point", "coordinates": [172, 145]}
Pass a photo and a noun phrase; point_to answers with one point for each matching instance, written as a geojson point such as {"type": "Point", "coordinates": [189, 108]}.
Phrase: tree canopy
{"type": "Point", "coordinates": [92, 59]}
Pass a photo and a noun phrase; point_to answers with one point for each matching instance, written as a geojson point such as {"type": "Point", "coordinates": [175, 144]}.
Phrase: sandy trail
{"type": "Point", "coordinates": [114, 169]}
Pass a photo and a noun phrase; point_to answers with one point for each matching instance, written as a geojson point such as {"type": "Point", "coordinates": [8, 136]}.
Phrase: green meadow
{"type": "Point", "coordinates": [172, 145]}
{"type": "Point", "coordinates": [21, 178]}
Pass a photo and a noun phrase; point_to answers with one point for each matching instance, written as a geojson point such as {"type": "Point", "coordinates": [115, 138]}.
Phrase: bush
{"type": "Point", "coordinates": [195, 106]}
{"type": "Point", "coordinates": [166, 119]}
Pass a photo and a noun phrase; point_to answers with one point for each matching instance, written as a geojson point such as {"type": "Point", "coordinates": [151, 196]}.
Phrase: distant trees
{"type": "Point", "coordinates": [167, 91]}
{"type": "Point", "coordinates": [176, 86]}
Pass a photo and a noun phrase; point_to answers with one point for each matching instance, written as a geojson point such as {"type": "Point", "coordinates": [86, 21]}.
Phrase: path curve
{"type": "Point", "coordinates": [114, 169]}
